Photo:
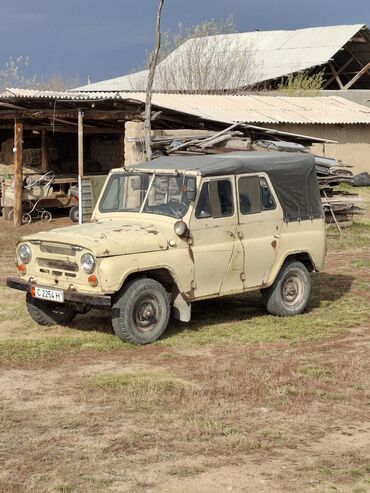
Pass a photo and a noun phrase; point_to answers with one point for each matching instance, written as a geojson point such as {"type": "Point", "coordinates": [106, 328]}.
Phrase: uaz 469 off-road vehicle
{"type": "Point", "coordinates": [176, 230]}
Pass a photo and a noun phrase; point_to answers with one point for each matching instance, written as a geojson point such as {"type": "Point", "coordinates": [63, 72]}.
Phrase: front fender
{"type": "Point", "coordinates": [113, 271]}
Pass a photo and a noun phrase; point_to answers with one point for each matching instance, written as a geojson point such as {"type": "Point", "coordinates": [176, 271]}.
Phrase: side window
{"type": "Point", "coordinates": [254, 195]}
{"type": "Point", "coordinates": [203, 207]}
{"type": "Point", "coordinates": [267, 199]}
{"type": "Point", "coordinates": [249, 195]}
{"type": "Point", "coordinates": [215, 200]}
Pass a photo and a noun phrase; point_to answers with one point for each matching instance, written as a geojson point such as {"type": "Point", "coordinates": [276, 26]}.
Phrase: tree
{"type": "Point", "coordinates": [207, 57]}
{"type": "Point", "coordinates": [14, 74]}
{"type": "Point", "coordinates": [301, 84]}
{"type": "Point", "coordinates": [149, 88]}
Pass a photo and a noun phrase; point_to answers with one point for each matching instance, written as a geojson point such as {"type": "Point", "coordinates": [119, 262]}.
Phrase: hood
{"type": "Point", "coordinates": [107, 238]}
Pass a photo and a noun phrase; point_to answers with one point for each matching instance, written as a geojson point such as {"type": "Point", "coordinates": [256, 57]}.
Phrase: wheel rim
{"type": "Point", "coordinates": [46, 216]}
{"type": "Point", "coordinates": [292, 289]}
{"type": "Point", "coordinates": [26, 218]}
{"type": "Point", "coordinates": [146, 313]}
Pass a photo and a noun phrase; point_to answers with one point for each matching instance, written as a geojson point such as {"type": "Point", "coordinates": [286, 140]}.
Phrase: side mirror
{"type": "Point", "coordinates": [191, 189]}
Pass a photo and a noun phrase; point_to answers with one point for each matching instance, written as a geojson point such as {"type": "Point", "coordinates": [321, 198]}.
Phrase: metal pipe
{"type": "Point", "coordinates": [80, 162]}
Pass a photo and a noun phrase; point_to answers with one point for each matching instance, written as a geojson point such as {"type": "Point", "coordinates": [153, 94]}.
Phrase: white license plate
{"type": "Point", "coordinates": [47, 294]}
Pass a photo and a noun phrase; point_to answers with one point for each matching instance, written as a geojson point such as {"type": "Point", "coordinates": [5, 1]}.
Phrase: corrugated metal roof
{"type": "Point", "coordinates": [15, 93]}
{"type": "Point", "coordinates": [253, 109]}
{"type": "Point", "coordinates": [275, 54]}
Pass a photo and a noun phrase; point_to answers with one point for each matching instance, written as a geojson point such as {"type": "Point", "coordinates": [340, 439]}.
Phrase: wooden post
{"type": "Point", "coordinates": [44, 151]}
{"type": "Point", "coordinates": [18, 172]}
{"type": "Point", "coordinates": [122, 148]}
{"type": "Point", "coordinates": [80, 162]}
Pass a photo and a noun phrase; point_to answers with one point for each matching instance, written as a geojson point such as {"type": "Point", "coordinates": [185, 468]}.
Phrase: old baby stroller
{"type": "Point", "coordinates": [35, 189]}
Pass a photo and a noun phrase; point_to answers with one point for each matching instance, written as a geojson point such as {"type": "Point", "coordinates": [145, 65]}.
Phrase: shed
{"type": "Point", "coordinates": [96, 131]}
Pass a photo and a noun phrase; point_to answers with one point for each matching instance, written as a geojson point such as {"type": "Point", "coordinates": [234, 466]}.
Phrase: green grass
{"type": "Point", "coordinates": [361, 263]}
{"type": "Point", "coordinates": [309, 369]}
{"type": "Point", "coordinates": [242, 319]}
{"type": "Point", "coordinates": [357, 235]}
{"type": "Point", "coordinates": [232, 320]}
{"type": "Point", "coordinates": [140, 384]}
{"type": "Point", "coordinates": [46, 348]}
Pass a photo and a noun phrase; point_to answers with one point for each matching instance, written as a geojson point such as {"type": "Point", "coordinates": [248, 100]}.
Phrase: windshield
{"type": "Point", "coordinates": [143, 192]}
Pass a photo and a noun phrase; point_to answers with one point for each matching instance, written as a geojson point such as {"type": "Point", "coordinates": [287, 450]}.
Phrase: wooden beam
{"type": "Point", "coordinates": [364, 70]}
{"type": "Point", "coordinates": [356, 58]}
{"type": "Point", "coordinates": [95, 115]}
{"type": "Point", "coordinates": [44, 151]}
{"type": "Point", "coordinates": [18, 172]}
{"type": "Point", "coordinates": [339, 71]}
{"type": "Point", "coordinates": [336, 75]}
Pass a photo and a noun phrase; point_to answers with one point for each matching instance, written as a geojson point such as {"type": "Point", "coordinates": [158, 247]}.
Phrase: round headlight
{"type": "Point", "coordinates": [24, 253]}
{"type": "Point", "coordinates": [180, 228]}
{"type": "Point", "coordinates": [88, 263]}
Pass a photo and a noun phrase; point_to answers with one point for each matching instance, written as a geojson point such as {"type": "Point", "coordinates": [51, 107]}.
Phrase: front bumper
{"type": "Point", "coordinates": [69, 295]}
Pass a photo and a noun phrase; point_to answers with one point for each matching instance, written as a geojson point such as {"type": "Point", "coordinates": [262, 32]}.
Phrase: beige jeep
{"type": "Point", "coordinates": [177, 230]}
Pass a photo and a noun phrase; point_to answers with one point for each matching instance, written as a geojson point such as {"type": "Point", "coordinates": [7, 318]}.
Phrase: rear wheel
{"type": "Point", "coordinates": [141, 311]}
{"type": "Point", "coordinates": [49, 313]}
{"type": "Point", "coordinates": [290, 292]}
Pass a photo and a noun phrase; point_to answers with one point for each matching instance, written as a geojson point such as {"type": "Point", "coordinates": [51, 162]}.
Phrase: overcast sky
{"type": "Point", "coordinates": [109, 38]}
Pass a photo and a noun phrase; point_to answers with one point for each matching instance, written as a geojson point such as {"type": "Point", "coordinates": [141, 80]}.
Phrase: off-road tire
{"type": "Point", "coordinates": [49, 313]}
{"type": "Point", "coordinates": [289, 294]}
{"type": "Point", "coordinates": [141, 311]}
{"type": "Point", "coordinates": [74, 214]}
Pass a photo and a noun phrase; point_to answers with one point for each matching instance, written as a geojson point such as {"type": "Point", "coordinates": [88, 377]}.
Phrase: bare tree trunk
{"type": "Point", "coordinates": [149, 88]}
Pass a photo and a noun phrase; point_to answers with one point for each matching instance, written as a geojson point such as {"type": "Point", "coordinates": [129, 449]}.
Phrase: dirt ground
{"type": "Point", "coordinates": [290, 415]}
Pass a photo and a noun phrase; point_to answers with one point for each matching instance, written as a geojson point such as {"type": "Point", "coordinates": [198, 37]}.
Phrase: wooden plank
{"type": "Point", "coordinates": [363, 71]}
{"type": "Point", "coordinates": [18, 173]}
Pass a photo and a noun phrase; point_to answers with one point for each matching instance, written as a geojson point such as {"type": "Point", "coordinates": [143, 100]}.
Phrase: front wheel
{"type": "Point", "coordinates": [290, 292]}
{"type": "Point", "coordinates": [141, 311]}
{"type": "Point", "coordinates": [49, 313]}
{"type": "Point", "coordinates": [46, 216]}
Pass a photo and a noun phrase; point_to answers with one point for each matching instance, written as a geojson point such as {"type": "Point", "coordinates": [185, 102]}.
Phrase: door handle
{"type": "Point", "coordinates": [230, 233]}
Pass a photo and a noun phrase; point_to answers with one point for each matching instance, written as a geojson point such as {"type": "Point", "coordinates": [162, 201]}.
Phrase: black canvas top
{"type": "Point", "coordinates": [291, 173]}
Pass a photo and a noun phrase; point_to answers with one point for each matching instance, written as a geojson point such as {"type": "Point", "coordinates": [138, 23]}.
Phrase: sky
{"type": "Point", "coordinates": [108, 38]}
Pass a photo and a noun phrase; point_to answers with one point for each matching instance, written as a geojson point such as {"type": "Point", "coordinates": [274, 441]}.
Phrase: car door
{"type": "Point", "coordinates": [260, 220]}
{"type": "Point", "coordinates": [216, 249]}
